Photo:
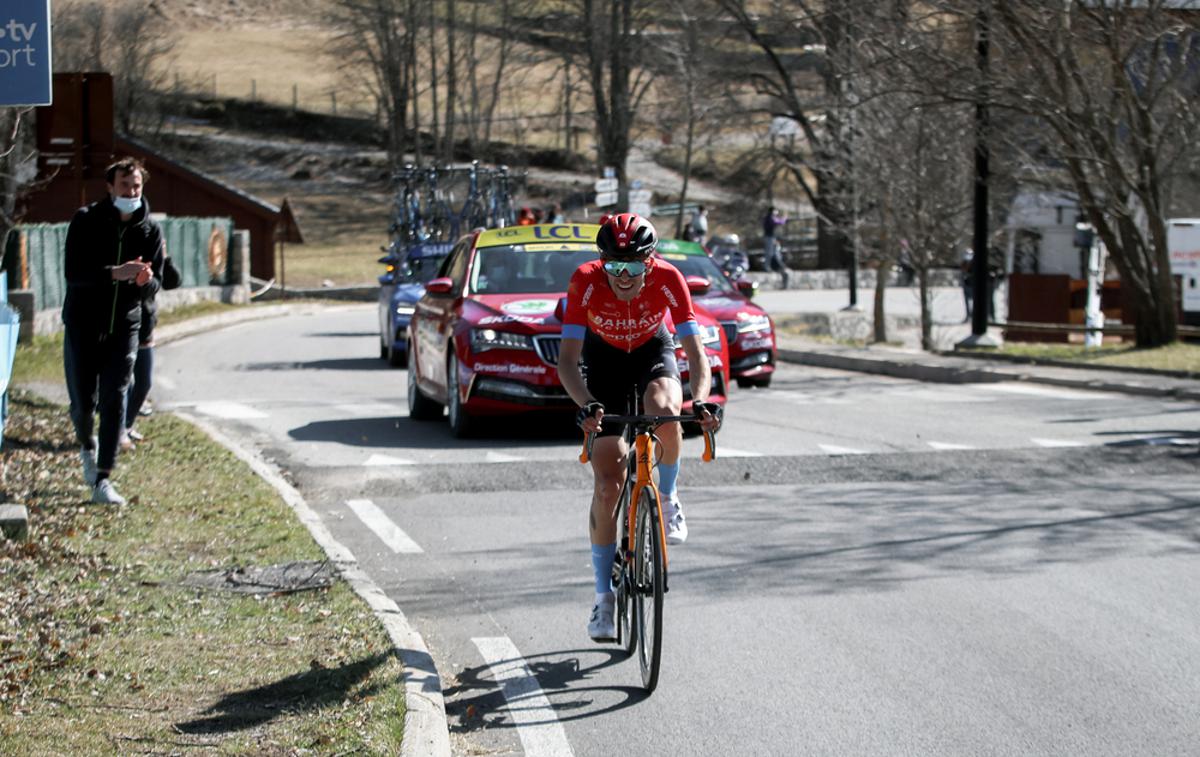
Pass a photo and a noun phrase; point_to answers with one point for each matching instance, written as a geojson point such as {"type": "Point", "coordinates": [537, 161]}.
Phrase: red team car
{"type": "Point", "coordinates": [748, 329]}
{"type": "Point", "coordinates": [485, 336]}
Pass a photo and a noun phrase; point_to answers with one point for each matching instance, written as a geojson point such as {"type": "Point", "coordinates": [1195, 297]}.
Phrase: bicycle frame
{"type": "Point", "coordinates": [643, 460]}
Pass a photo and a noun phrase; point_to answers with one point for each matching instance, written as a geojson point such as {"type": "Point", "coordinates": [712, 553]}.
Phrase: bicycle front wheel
{"type": "Point", "coordinates": [649, 578]}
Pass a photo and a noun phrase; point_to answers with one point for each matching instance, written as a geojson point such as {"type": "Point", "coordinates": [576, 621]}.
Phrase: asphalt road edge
{"type": "Point", "coordinates": [426, 730]}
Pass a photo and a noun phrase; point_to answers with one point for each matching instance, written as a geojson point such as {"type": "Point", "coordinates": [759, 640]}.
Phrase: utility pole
{"type": "Point", "coordinates": [981, 285]}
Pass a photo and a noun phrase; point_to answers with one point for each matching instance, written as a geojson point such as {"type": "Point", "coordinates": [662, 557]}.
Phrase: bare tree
{"type": "Point", "coordinates": [805, 75]}
{"type": "Point", "coordinates": [375, 39]}
{"type": "Point", "coordinates": [1117, 85]}
{"type": "Point", "coordinates": [614, 49]}
{"type": "Point", "coordinates": [15, 155]}
{"type": "Point", "coordinates": [127, 39]}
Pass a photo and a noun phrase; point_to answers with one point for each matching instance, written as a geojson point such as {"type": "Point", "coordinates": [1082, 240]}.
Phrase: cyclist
{"type": "Point", "coordinates": [615, 322]}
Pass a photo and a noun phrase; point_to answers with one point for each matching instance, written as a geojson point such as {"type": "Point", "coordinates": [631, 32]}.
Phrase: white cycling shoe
{"type": "Point", "coordinates": [677, 530]}
{"type": "Point", "coordinates": [602, 627]}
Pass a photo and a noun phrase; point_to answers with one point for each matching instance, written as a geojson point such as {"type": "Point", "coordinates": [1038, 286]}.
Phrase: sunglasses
{"type": "Point", "coordinates": [631, 267]}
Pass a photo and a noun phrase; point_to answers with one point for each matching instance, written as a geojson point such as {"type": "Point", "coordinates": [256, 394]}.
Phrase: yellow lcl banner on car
{"type": "Point", "coordinates": [558, 232]}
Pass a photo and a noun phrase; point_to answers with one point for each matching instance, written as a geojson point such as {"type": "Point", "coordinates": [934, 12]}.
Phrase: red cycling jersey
{"type": "Point", "coordinates": [592, 305]}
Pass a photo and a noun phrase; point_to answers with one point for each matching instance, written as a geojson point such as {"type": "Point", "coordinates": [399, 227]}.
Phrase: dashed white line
{"type": "Point", "coordinates": [1056, 443]}
{"type": "Point", "coordinates": [500, 457]}
{"type": "Point", "coordinates": [949, 445]}
{"type": "Point", "coordinates": [378, 459]}
{"type": "Point", "coordinates": [367, 409]}
{"type": "Point", "coordinates": [833, 449]}
{"type": "Point", "coordinates": [1034, 390]}
{"type": "Point", "coordinates": [387, 531]}
{"type": "Point", "coordinates": [229, 410]}
{"type": "Point", "coordinates": [535, 720]}
{"type": "Point", "coordinates": [734, 452]}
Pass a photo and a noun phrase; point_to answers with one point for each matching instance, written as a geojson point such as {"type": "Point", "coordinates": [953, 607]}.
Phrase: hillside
{"type": "Point", "coordinates": [277, 52]}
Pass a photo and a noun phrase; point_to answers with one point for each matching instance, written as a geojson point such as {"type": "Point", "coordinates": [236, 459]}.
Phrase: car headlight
{"type": "Point", "coordinates": [709, 335]}
{"type": "Point", "coordinates": [405, 310]}
{"type": "Point", "coordinates": [753, 323]}
{"type": "Point", "coordinates": [483, 340]}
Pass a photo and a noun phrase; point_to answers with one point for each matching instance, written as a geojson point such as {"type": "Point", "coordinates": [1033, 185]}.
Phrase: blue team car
{"type": "Point", "coordinates": [401, 285]}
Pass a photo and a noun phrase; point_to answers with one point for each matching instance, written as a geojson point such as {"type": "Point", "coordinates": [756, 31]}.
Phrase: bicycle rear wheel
{"type": "Point", "coordinates": [649, 578]}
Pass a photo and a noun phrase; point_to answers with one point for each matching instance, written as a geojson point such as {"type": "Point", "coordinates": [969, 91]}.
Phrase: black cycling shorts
{"type": "Point", "coordinates": [611, 372]}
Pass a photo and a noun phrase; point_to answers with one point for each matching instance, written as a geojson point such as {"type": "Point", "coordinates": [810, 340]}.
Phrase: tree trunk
{"type": "Point", "coordinates": [880, 319]}
{"type": "Point", "coordinates": [451, 80]}
{"type": "Point", "coordinates": [434, 131]}
{"type": "Point", "coordinates": [926, 310]}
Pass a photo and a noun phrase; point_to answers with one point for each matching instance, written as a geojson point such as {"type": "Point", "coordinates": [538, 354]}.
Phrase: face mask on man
{"type": "Point", "coordinates": [127, 205]}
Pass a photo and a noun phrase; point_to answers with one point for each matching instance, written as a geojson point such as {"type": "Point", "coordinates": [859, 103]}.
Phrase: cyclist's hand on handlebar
{"type": "Point", "coordinates": [588, 417]}
{"type": "Point", "coordinates": [711, 415]}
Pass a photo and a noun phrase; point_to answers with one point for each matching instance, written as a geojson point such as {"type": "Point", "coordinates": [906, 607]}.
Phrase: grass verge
{"type": "Point", "coordinates": [104, 651]}
{"type": "Point", "coordinates": [1179, 356]}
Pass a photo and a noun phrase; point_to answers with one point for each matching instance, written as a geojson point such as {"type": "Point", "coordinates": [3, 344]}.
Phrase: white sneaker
{"type": "Point", "coordinates": [88, 458]}
{"type": "Point", "coordinates": [126, 441]}
{"type": "Point", "coordinates": [677, 530]}
{"type": "Point", "coordinates": [106, 494]}
{"type": "Point", "coordinates": [134, 434]}
{"type": "Point", "coordinates": [601, 627]}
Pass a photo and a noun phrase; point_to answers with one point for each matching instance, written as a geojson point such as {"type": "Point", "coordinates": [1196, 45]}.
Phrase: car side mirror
{"type": "Point", "coordinates": [747, 287]}
{"type": "Point", "coordinates": [560, 310]}
{"type": "Point", "coordinates": [443, 286]}
{"type": "Point", "coordinates": [698, 284]}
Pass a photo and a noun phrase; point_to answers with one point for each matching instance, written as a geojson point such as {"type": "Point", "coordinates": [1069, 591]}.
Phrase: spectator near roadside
{"type": "Point", "coordinates": [143, 367]}
{"type": "Point", "coordinates": [113, 263]}
{"type": "Point", "coordinates": [698, 226]}
{"type": "Point", "coordinates": [771, 223]}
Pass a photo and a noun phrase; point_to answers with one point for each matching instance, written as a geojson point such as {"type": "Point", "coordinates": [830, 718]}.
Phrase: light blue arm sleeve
{"type": "Point", "coordinates": [574, 331]}
{"type": "Point", "coordinates": [688, 328]}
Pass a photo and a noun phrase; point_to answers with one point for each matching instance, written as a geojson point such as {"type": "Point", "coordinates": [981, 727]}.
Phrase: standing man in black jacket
{"type": "Point", "coordinates": [114, 262]}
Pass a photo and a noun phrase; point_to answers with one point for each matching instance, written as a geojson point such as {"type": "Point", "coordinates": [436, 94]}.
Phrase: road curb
{"type": "Point", "coordinates": [426, 730]}
{"type": "Point", "coordinates": [921, 369]}
{"type": "Point", "coordinates": [917, 370]}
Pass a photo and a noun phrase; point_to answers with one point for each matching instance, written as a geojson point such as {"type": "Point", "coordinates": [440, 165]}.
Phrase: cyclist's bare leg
{"type": "Point", "coordinates": [608, 473]}
{"type": "Point", "coordinates": [664, 396]}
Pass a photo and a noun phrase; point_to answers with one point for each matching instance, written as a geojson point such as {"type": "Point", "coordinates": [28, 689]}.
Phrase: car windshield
{"type": "Point", "coordinates": [419, 270]}
{"type": "Point", "coordinates": [528, 269]}
{"type": "Point", "coordinates": [701, 265]}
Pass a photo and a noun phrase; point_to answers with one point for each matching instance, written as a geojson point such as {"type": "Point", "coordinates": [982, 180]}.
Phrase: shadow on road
{"type": "Point", "coordinates": [475, 701]}
{"type": "Point", "coordinates": [401, 432]}
{"type": "Point", "coordinates": [334, 364]}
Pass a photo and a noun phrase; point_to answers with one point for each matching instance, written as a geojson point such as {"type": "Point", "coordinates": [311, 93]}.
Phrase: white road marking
{"type": "Point", "coordinates": [368, 409]}
{"type": "Point", "coordinates": [1036, 390]}
{"type": "Point", "coordinates": [500, 457]}
{"type": "Point", "coordinates": [387, 531]}
{"type": "Point", "coordinates": [229, 410]}
{"type": "Point", "coordinates": [833, 449]}
{"type": "Point", "coordinates": [535, 720]}
{"type": "Point", "coordinates": [948, 445]}
{"type": "Point", "coordinates": [378, 459]}
{"type": "Point", "coordinates": [804, 398]}
{"type": "Point", "coordinates": [734, 452]}
{"type": "Point", "coordinates": [1056, 443]}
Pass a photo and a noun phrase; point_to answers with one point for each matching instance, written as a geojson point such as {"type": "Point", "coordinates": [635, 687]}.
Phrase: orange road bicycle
{"type": "Point", "coordinates": [640, 568]}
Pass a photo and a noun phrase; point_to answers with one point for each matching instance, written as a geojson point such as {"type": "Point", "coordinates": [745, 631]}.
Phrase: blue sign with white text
{"type": "Point", "coordinates": [25, 52]}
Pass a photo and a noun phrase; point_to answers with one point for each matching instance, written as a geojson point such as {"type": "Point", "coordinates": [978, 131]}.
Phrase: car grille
{"type": "Point", "coordinates": [730, 330]}
{"type": "Point", "coordinates": [547, 347]}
